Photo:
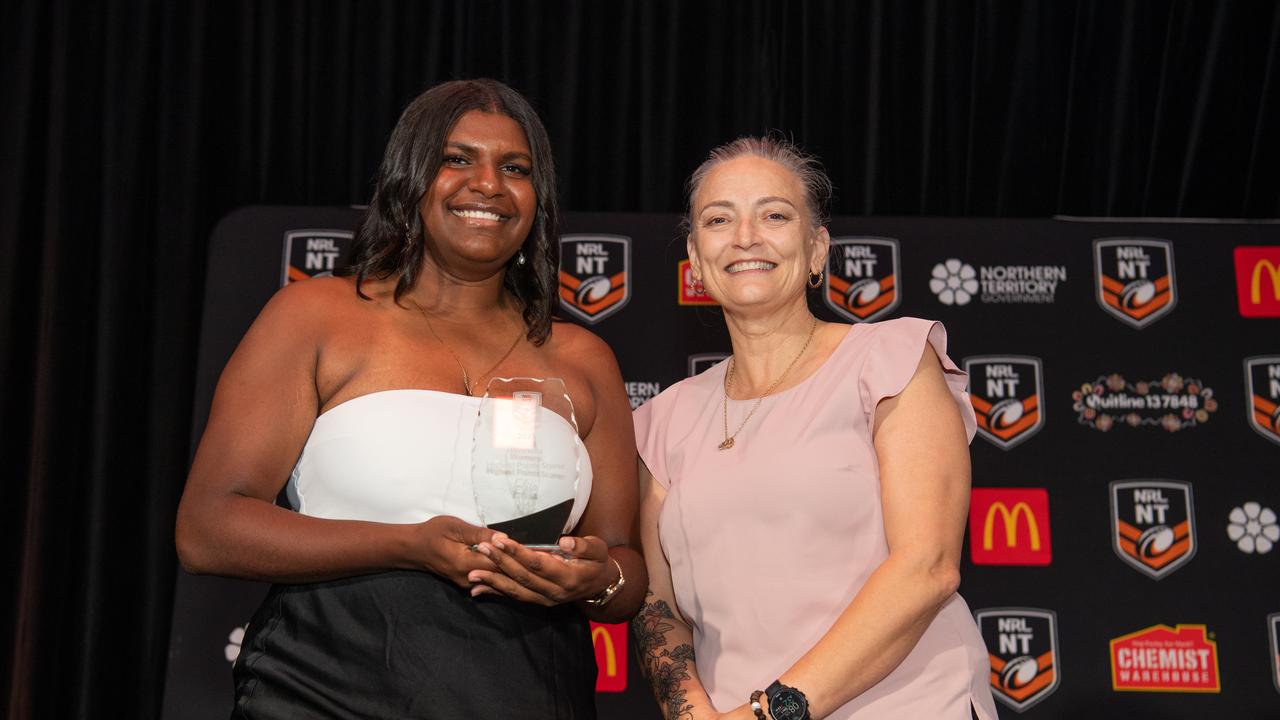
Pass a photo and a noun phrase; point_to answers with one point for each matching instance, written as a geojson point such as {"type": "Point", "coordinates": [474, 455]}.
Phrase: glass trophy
{"type": "Point", "coordinates": [526, 460]}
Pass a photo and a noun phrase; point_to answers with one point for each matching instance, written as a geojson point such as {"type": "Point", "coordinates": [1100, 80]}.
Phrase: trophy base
{"type": "Point", "coordinates": [540, 530]}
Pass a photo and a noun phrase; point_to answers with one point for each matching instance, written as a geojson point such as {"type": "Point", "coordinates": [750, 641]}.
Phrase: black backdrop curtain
{"type": "Point", "coordinates": [129, 127]}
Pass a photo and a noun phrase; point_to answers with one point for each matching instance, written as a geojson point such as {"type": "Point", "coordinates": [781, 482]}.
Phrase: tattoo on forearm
{"type": "Point", "coordinates": [665, 668]}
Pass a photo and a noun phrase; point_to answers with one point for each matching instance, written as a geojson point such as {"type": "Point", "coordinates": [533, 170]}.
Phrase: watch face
{"type": "Point", "coordinates": [787, 704]}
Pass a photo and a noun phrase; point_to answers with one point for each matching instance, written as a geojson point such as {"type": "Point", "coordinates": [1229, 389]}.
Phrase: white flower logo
{"type": "Point", "coordinates": [232, 650]}
{"type": "Point", "coordinates": [954, 282]}
{"type": "Point", "coordinates": [1253, 528]}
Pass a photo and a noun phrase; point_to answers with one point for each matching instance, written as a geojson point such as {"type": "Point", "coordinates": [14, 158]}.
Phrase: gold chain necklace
{"type": "Point", "coordinates": [466, 379]}
{"type": "Point", "coordinates": [728, 381]}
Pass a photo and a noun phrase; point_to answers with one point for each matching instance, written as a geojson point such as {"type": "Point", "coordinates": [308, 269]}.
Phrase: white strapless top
{"type": "Point", "coordinates": [400, 456]}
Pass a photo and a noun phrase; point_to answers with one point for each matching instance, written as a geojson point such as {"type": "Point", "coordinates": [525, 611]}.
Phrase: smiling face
{"type": "Point", "coordinates": [751, 241]}
{"type": "Point", "coordinates": [480, 206]}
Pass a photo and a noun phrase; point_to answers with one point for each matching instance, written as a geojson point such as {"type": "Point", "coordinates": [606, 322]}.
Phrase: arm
{"type": "Point", "coordinates": [604, 532]}
{"type": "Point", "coordinates": [262, 412]}
{"type": "Point", "coordinates": [664, 640]}
{"type": "Point", "coordinates": [924, 477]}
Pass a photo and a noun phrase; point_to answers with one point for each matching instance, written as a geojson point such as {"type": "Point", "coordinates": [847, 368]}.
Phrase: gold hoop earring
{"type": "Point", "coordinates": [815, 284]}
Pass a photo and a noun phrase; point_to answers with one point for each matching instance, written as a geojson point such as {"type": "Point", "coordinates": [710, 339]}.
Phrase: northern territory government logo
{"type": "Point", "coordinates": [1007, 395]}
{"type": "Point", "coordinates": [1183, 658]}
{"type": "Point", "coordinates": [1172, 403]}
{"type": "Point", "coordinates": [691, 291]}
{"type": "Point", "coordinates": [1153, 528]}
{"type": "Point", "coordinates": [702, 362]}
{"type": "Point", "coordinates": [1135, 278]}
{"type": "Point", "coordinates": [956, 282]}
{"type": "Point", "coordinates": [1253, 528]}
{"type": "Point", "coordinates": [1258, 281]}
{"type": "Point", "coordinates": [595, 273]}
{"type": "Point", "coordinates": [1262, 390]}
{"type": "Point", "coordinates": [863, 281]}
{"type": "Point", "coordinates": [1010, 526]}
{"type": "Point", "coordinates": [1022, 644]}
{"type": "Point", "coordinates": [313, 253]}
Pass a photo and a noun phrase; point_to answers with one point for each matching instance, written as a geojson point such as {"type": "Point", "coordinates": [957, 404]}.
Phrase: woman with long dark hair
{"type": "Point", "coordinates": [357, 397]}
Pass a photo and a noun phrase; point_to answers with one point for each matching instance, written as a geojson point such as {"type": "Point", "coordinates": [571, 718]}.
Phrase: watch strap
{"type": "Point", "coordinates": [796, 705]}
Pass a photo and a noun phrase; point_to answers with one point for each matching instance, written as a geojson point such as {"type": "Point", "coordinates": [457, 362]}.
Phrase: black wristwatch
{"type": "Point", "coordinates": [786, 703]}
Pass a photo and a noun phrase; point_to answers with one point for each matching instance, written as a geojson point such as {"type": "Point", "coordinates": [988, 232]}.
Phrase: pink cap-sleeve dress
{"type": "Point", "coordinates": [770, 540]}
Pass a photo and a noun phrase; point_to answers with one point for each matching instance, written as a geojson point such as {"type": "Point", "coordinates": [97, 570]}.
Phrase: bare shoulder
{"type": "Point", "coordinates": [581, 353]}
{"type": "Point", "coordinates": [579, 347]}
{"type": "Point", "coordinates": [315, 304]}
{"type": "Point", "coordinates": [329, 292]}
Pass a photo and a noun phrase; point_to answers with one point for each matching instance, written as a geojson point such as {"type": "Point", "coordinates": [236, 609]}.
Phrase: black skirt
{"type": "Point", "coordinates": [411, 645]}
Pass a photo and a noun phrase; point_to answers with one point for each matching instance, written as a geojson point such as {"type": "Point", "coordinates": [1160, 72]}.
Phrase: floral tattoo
{"type": "Point", "coordinates": [666, 669]}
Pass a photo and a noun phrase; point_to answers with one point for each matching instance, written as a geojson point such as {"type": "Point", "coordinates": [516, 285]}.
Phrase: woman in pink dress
{"type": "Point", "coordinates": [803, 502]}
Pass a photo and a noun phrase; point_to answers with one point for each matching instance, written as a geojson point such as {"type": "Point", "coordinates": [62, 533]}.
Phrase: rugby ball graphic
{"type": "Point", "coordinates": [592, 290]}
{"type": "Point", "coordinates": [1006, 412]}
{"type": "Point", "coordinates": [1137, 293]}
{"type": "Point", "coordinates": [1018, 672]}
{"type": "Point", "coordinates": [1154, 541]}
{"type": "Point", "coordinates": [862, 292]}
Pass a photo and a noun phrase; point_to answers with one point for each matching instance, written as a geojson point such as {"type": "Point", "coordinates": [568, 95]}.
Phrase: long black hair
{"type": "Point", "coordinates": [390, 240]}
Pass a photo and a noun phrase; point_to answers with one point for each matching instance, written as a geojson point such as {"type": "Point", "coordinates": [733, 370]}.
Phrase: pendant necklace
{"type": "Point", "coordinates": [728, 381]}
{"type": "Point", "coordinates": [466, 379]}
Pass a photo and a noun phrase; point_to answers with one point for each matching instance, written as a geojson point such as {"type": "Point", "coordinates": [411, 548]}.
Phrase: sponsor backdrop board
{"type": "Point", "coordinates": [1121, 555]}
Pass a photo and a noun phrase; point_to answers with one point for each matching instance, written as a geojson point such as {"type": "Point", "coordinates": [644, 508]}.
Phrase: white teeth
{"type": "Point", "coordinates": [477, 214]}
{"type": "Point", "coordinates": [751, 265]}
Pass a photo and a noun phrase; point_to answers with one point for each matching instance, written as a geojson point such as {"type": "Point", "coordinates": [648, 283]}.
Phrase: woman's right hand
{"type": "Point", "coordinates": [444, 545]}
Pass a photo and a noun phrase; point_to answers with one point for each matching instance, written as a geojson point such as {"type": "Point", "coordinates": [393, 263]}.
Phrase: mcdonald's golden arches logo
{"type": "Point", "coordinates": [610, 642]}
{"type": "Point", "coordinates": [1009, 526]}
{"type": "Point", "coordinates": [1258, 280]}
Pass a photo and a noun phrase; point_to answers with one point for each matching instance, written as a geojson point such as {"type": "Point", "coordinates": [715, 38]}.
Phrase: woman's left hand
{"type": "Point", "coordinates": [545, 578]}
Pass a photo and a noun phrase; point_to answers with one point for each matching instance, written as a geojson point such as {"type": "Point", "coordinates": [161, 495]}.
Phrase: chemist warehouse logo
{"type": "Point", "coordinates": [595, 273]}
{"type": "Point", "coordinates": [1007, 395]}
{"type": "Point", "coordinates": [313, 253]}
{"type": "Point", "coordinates": [1153, 525]}
{"type": "Point", "coordinates": [1262, 386]}
{"type": "Point", "coordinates": [862, 277]}
{"type": "Point", "coordinates": [1022, 644]}
{"type": "Point", "coordinates": [1135, 278]}
{"type": "Point", "coordinates": [1166, 659]}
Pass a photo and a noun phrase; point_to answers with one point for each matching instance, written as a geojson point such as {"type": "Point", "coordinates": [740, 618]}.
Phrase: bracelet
{"type": "Point", "coordinates": [755, 705]}
{"type": "Point", "coordinates": [607, 594]}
